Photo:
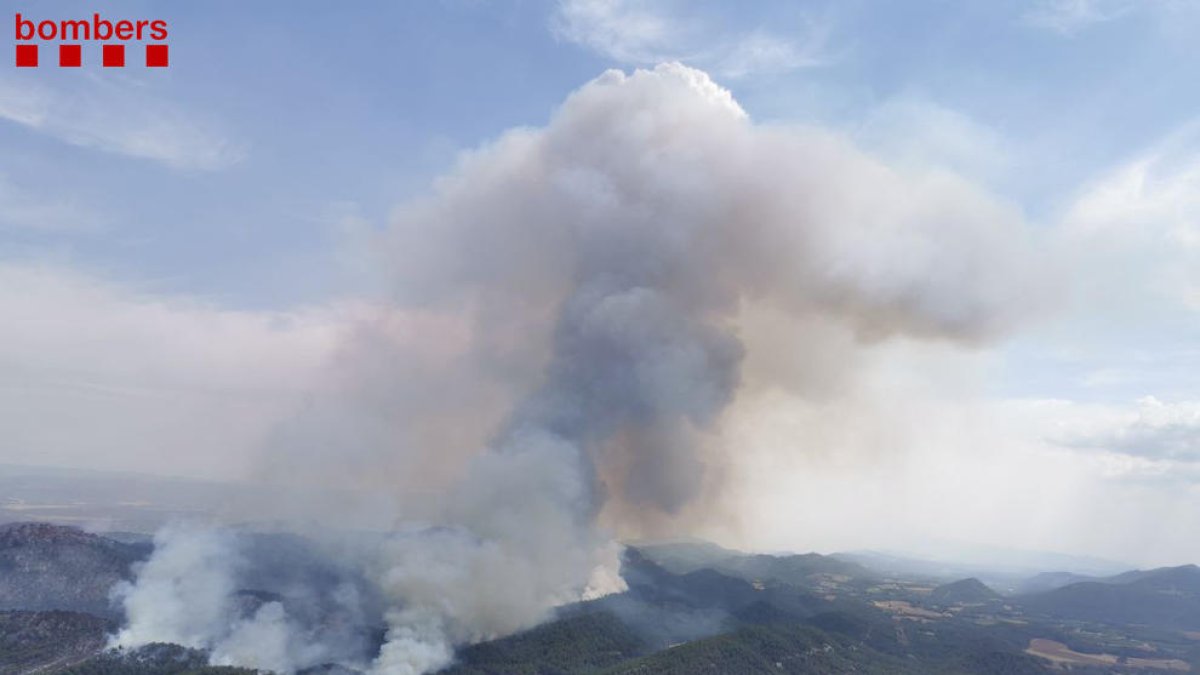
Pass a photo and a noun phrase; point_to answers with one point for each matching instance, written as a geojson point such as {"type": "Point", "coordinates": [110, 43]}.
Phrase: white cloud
{"type": "Point", "coordinates": [1153, 430]}
{"type": "Point", "coordinates": [913, 130]}
{"type": "Point", "coordinates": [96, 374]}
{"type": "Point", "coordinates": [919, 461]}
{"type": "Point", "coordinates": [1071, 16]}
{"type": "Point", "coordinates": [624, 31]}
{"type": "Point", "coordinates": [117, 116]}
{"type": "Point", "coordinates": [644, 33]}
{"type": "Point", "coordinates": [1146, 215]}
{"type": "Point", "coordinates": [760, 51]}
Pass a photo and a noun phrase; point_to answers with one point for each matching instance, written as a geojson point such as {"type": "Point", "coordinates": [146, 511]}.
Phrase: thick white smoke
{"type": "Point", "coordinates": [183, 593]}
{"type": "Point", "coordinates": [587, 288]}
{"type": "Point", "coordinates": [186, 594]}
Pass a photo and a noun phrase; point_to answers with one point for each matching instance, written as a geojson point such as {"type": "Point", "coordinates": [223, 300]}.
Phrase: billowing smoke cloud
{"type": "Point", "coordinates": [577, 303]}
{"type": "Point", "coordinates": [183, 592]}
{"type": "Point", "coordinates": [303, 611]}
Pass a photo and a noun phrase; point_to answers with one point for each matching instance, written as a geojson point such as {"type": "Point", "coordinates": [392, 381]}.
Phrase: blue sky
{"type": "Point", "coordinates": [237, 192]}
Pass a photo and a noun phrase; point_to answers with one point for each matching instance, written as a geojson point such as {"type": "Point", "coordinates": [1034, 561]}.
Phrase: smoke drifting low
{"type": "Point", "coordinates": [573, 312]}
{"type": "Point", "coordinates": [307, 607]}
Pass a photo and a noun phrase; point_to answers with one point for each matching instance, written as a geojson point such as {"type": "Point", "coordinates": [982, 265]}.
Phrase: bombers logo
{"type": "Point", "coordinates": [70, 34]}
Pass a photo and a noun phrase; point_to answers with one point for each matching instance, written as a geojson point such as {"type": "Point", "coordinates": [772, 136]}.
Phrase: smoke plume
{"type": "Point", "coordinates": [304, 610]}
{"type": "Point", "coordinates": [572, 309]}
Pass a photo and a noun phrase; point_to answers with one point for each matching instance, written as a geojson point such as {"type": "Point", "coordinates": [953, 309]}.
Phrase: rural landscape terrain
{"type": "Point", "coordinates": [688, 607]}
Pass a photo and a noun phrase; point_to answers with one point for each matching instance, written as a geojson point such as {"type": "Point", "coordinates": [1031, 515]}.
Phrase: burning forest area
{"type": "Point", "coordinates": [593, 337]}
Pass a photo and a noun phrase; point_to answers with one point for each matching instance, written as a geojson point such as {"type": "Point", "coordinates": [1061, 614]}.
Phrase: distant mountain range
{"type": "Point", "coordinates": [1048, 581]}
{"type": "Point", "coordinates": [1008, 574]}
{"type": "Point", "coordinates": [683, 557]}
{"type": "Point", "coordinates": [1167, 598]}
{"type": "Point", "coordinates": [963, 592]}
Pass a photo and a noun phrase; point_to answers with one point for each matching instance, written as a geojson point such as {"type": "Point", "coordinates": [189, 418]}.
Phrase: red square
{"type": "Point", "coordinates": [114, 56]}
{"type": "Point", "coordinates": [27, 56]}
{"type": "Point", "coordinates": [70, 56]}
{"type": "Point", "coordinates": [156, 56]}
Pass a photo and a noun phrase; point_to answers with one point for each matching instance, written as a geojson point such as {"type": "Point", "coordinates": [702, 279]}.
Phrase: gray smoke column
{"type": "Point", "coordinates": [619, 245]}
{"type": "Point", "coordinates": [192, 592]}
{"type": "Point", "coordinates": [626, 238]}
{"type": "Point", "coordinates": [585, 287]}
